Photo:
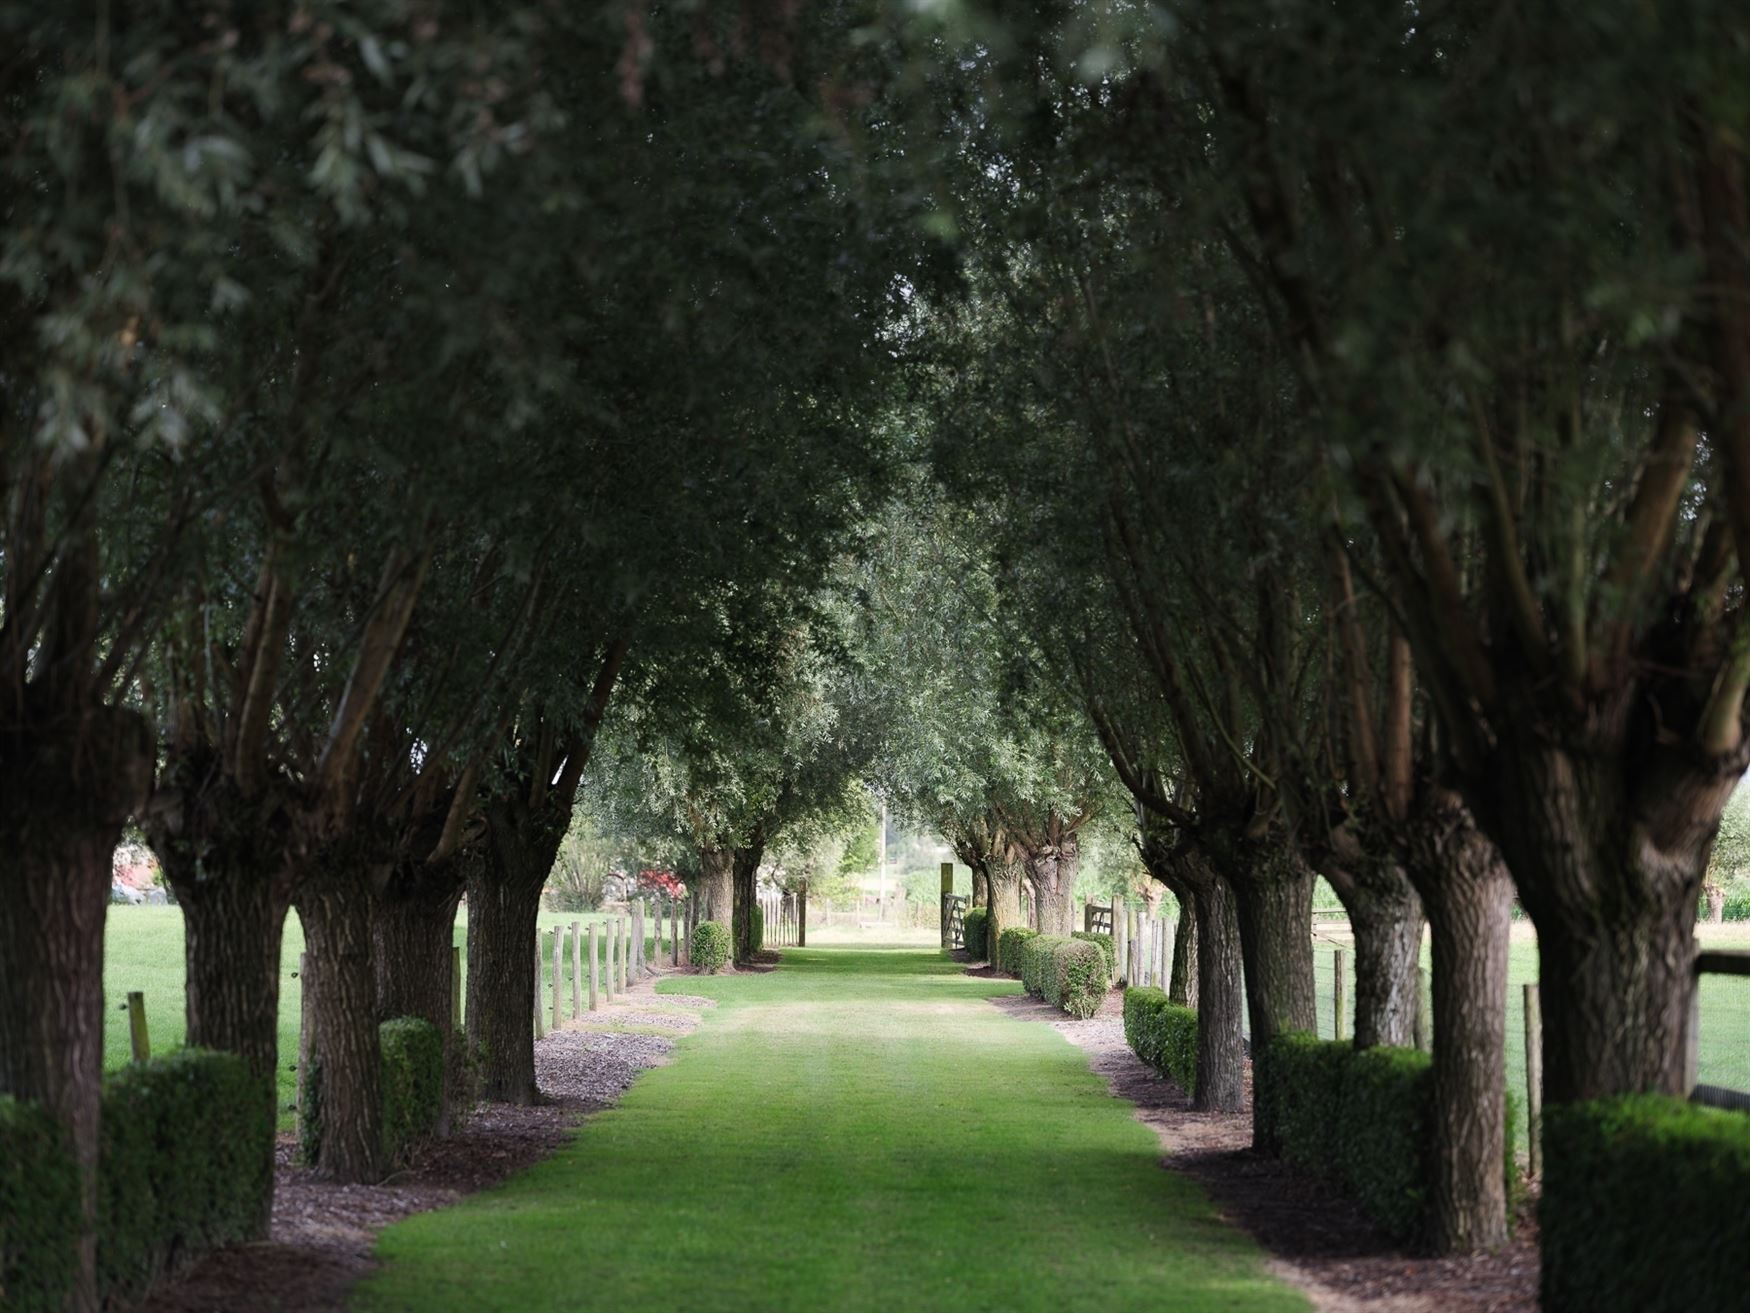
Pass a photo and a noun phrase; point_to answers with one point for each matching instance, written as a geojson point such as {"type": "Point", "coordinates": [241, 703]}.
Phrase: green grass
{"type": "Point", "coordinates": [857, 1131]}
{"type": "Point", "coordinates": [143, 950]}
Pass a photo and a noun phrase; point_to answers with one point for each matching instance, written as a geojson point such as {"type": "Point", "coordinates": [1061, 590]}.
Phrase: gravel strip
{"type": "Point", "coordinates": [322, 1235]}
{"type": "Point", "coordinates": [1318, 1240]}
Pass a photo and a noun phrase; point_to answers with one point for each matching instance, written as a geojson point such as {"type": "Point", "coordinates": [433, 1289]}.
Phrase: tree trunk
{"type": "Point", "coordinates": [501, 984]}
{"type": "Point", "coordinates": [1468, 895]}
{"type": "Point", "coordinates": [802, 917]}
{"type": "Point", "coordinates": [1716, 904]}
{"type": "Point", "coordinates": [1182, 981]}
{"type": "Point", "coordinates": [335, 906]}
{"type": "Point", "coordinates": [744, 867]}
{"type": "Point", "coordinates": [415, 959]}
{"type": "Point", "coordinates": [980, 888]}
{"type": "Point", "coordinates": [1611, 873]}
{"type": "Point", "coordinates": [1221, 1051]}
{"type": "Point", "coordinates": [66, 799]}
{"type": "Point", "coordinates": [1005, 904]}
{"type": "Point", "coordinates": [1052, 871]}
{"type": "Point", "coordinates": [1272, 890]}
{"type": "Point", "coordinates": [504, 902]}
{"type": "Point", "coordinates": [716, 892]}
{"type": "Point", "coordinates": [233, 928]}
{"type": "Point", "coordinates": [1386, 916]}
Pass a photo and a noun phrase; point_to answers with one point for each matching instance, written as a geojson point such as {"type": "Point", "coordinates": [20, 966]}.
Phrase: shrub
{"type": "Point", "coordinates": [180, 1168]}
{"type": "Point", "coordinates": [413, 1083]}
{"type": "Point", "coordinates": [1009, 945]}
{"type": "Point", "coordinates": [1163, 1034]}
{"type": "Point", "coordinates": [1078, 977]}
{"type": "Point", "coordinates": [1037, 973]}
{"type": "Point", "coordinates": [1104, 942]}
{"type": "Point", "coordinates": [710, 946]}
{"type": "Point", "coordinates": [1364, 1119]}
{"type": "Point", "coordinates": [759, 927]}
{"type": "Point", "coordinates": [975, 923]}
{"type": "Point", "coordinates": [39, 1209]}
{"type": "Point", "coordinates": [1643, 1206]}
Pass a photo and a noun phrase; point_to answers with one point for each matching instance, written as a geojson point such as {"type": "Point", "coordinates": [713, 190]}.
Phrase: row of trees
{"type": "Point", "coordinates": [379, 409]}
{"type": "Point", "coordinates": [1347, 412]}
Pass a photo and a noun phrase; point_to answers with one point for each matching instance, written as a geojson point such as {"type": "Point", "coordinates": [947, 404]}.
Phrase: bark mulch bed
{"type": "Point", "coordinates": [322, 1235]}
{"type": "Point", "coordinates": [1317, 1240]}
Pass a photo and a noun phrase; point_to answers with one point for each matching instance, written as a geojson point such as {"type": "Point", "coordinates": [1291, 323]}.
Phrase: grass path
{"type": "Point", "coordinates": [856, 1131]}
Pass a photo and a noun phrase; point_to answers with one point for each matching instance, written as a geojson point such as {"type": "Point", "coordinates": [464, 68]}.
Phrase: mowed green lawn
{"type": "Point", "coordinates": [858, 1130]}
{"type": "Point", "coordinates": [143, 950]}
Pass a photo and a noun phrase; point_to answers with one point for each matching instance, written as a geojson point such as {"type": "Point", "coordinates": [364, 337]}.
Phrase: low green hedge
{"type": "Point", "coordinates": [1078, 978]}
{"type": "Point", "coordinates": [39, 1209]}
{"type": "Point", "coordinates": [180, 1169]}
{"type": "Point", "coordinates": [1643, 1207]}
{"type": "Point", "coordinates": [1037, 971]}
{"type": "Point", "coordinates": [1163, 1034]}
{"type": "Point", "coordinates": [413, 1083]}
{"type": "Point", "coordinates": [1104, 942]}
{"type": "Point", "coordinates": [1362, 1118]}
{"type": "Point", "coordinates": [411, 1052]}
{"type": "Point", "coordinates": [710, 946]}
{"type": "Point", "coordinates": [1009, 945]}
{"type": "Point", "coordinates": [975, 923]}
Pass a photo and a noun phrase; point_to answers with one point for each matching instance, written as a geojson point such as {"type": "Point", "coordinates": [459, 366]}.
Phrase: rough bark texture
{"type": "Point", "coordinates": [1468, 896]}
{"type": "Point", "coordinates": [980, 888]}
{"type": "Point", "coordinates": [716, 892]}
{"type": "Point", "coordinates": [504, 898]}
{"type": "Point", "coordinates": [1052, 871]}
{"type": "Point", "coordinates": [1221, 1051]}
{"type": "Point", "coordinates": [415, 958]}
{"type": "Point", "coordinates": [1386, 916]}
{"type": "Point", "coordinates": [1182, 979]}
{"type": "Point", "coordinates": [744, 868]}
{"type": "Point", "coordinates": [67, 795]}
{"type": "Point", "coordinates": [1272, 890]}
{"type": "Point", "coordinates": [1005, 902]}
{"type": "Point", "coordinates": [233, 928]}
{"type": "Point", "coordinates": [335, 906]}
{"type": "Point", "coordinates": [1611, 875]}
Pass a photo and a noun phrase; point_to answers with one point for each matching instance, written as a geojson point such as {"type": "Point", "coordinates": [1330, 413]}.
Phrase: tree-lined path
{"type": "Point", "coordinates": [859, 1130]}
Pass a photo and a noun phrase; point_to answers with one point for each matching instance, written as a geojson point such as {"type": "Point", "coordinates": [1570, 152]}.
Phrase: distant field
{"type": "Point", "coordinates": [143, 950]}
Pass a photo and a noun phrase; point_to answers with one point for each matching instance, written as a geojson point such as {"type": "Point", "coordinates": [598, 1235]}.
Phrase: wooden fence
{"type": "Point", "coordinates": [953, 920]}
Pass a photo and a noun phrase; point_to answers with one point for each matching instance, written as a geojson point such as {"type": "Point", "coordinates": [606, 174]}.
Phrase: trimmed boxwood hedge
{"type": "Point", "coordinates": [413, 1083]}
{"type": "Point", "coordinates": [975, 923]}
{"type": "Point", "coordinates": [1009, 945]}
{"type": "Point", "coordinates": [1163, 1034]}
{"type": "Point", "coordinates": [1078, 978]}
{"type": "Point", "coordinates": [39, 1209]}
{"type": "Point", "coordinates": [1036, 966]}
{"type": "Point", "coordinates": [1105, 945]}
{"type": "Point", "coordinates": [710, 946]}
{"type": "Point", "coordinates": [180, 1169]}
{"type": "Point", "coordinates": [1362, 1118]}
{"type": "Point", "coordinates": [1643, 1207]}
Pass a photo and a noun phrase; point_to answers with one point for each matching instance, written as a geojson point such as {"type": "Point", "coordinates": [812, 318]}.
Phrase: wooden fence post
{"type": "Point", "coordinates": [1163, 967]}
{"type": "Point", "coordinates": [635, 959]}
{"type": "Point", "coordinates": [576, 969]}
{"type": "Point", "coordinates": [456, 988]}
{"type": "Point", "coordinates": [142, 1042]}
{"type": "Point", "coordinates": [942, 904]}
{"type": "Point", "coordinates": [625, 932]}
{"type": "Point", "coordinates": [1120, 972]}
{"type": "Point", "coordinates": [540, 1030]}
{"type": "Point", "coordinates": [802, 917]}
{"type": "Point", "coordinates": [1339, 960]}
{"type": "Point", "coordinates": [1424, 1012]}
{"type": "Point", "coordinates": [558, 975]}
{"type": "Point", "coordinates": [1534, 1076]}
{"type": "Point", "coordinates": [595, 1001]}
{"type": "Point", "coordinates": [610, 950]}
{"type": "Point", "coordinates": [674, 931]}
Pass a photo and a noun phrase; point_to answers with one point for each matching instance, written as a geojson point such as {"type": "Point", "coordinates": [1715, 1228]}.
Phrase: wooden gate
{"type": "Point", "coordinates": [954, 917]}
{"type": "Point", "coordinates": [1097, 919]}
